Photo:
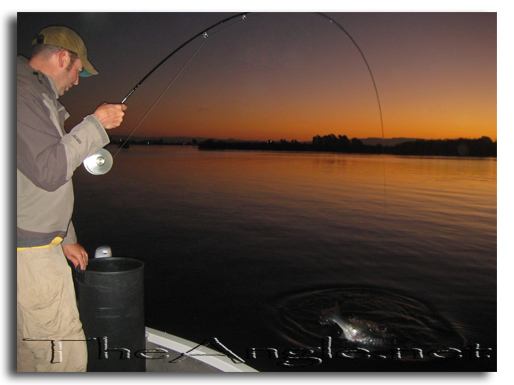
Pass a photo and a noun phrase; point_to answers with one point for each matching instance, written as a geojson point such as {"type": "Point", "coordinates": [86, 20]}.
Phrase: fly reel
{"type": "Point", "coordinates": [99, 163]}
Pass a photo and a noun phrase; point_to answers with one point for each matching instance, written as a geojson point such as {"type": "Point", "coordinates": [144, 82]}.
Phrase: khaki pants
{"type": "Point", "coordinates": [47, 314]}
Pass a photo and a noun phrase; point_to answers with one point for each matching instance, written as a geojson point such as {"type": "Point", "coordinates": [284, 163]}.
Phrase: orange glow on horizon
{"type": "Point", "coordinates": [294, 76]}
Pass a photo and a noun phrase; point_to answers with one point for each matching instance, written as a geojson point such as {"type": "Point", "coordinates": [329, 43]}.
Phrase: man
{"type": "Point", "coordinates": [47, 156]}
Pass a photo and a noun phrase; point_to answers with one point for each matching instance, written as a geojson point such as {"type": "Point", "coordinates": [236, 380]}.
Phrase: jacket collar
{"type": "Point", "coordinates": [25, 69]}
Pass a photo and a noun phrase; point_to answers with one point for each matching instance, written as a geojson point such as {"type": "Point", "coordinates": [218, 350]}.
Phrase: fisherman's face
{"type": "Point", "coordinates": [69, 77]}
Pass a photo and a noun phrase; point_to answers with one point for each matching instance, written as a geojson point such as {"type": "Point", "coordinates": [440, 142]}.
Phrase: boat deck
{"type": "Point", "coordinates": [168, 353]}
{"type": "Point", "coordinates": [175, 363]}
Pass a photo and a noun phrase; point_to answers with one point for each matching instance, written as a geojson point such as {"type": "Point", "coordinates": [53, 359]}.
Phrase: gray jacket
{"type": "Point", "coordinates": [46, 158]}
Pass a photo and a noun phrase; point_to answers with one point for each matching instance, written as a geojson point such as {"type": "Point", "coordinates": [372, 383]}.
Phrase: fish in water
{"type": "Point", "coordinates": [359, 330]}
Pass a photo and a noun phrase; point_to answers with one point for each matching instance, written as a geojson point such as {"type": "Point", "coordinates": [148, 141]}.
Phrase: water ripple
{"type": "Point", "coordinates": [409, 323]}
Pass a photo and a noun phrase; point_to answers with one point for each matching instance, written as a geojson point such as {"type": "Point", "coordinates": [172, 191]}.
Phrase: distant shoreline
{"type": "Point", "coordinates": [482, 147]}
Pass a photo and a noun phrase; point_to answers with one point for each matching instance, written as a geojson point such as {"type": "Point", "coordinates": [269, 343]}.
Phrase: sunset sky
{"type": "Point", "coordinates": [288, 75]}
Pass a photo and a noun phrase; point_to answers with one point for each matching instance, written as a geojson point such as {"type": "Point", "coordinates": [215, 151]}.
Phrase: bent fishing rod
{"type": "Point", "coordinates": [101, 162]}
{"type": "Point", "coordinates": [204, 33]}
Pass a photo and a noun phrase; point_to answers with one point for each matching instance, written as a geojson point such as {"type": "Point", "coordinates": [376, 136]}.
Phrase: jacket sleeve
{"type": "Point", "coordinates": [71, 237]}
{"type": "Point", "coordinates": [46, 154]}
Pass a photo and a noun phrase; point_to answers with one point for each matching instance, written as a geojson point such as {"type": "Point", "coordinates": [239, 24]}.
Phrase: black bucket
{"type": "Point", "coordinates": [110, 296]}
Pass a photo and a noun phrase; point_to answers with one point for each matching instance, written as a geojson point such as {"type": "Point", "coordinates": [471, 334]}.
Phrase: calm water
{"type": "Point", "coordinates": [249, 247]}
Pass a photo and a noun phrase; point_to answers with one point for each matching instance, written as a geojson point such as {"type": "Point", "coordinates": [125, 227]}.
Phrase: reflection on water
{"type": "Point", "coordinates": [222, 234]}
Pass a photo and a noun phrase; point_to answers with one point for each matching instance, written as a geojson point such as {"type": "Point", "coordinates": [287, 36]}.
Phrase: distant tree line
{"type": "Point", "coordinates": [483, 147]}
{"type": "Point", "coordinates": [154, 142]}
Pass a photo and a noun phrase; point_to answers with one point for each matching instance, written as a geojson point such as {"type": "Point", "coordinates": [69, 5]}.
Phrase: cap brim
{"type": "Point", "coordinates": [84, 73]}
{"type": "Point", "coordinates": [88, 69]}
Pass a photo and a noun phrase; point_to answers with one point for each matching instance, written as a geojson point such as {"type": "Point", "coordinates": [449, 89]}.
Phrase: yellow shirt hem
{"type": "Point", "coordinates": [56, 241]}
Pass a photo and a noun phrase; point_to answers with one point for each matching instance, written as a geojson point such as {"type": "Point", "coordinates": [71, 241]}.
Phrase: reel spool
{"type": "Point", "coordinates": [99, 163]}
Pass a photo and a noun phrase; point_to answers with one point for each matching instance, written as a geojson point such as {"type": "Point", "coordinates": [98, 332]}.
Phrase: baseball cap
{"type": "Point", "coordinates": [68, 39]}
